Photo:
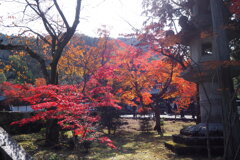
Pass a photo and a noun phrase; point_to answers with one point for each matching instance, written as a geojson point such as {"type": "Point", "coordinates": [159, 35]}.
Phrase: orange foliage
{"type": "Point", "coordinates": [132, 72]}
{"type": "Point", "coordinates": [139, 72]}
{"type": "Point", "coordinates": [40, 82]}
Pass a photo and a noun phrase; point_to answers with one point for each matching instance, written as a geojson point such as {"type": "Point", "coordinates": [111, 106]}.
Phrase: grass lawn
{"type": "Point", "coordinates": [131, 142]}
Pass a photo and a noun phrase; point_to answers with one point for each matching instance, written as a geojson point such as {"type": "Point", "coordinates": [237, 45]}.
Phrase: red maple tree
{"type": "Point", "coordinates": [66, 104]}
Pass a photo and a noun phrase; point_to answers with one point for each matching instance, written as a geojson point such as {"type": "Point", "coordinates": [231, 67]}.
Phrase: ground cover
{"type": "Point", "coordinates": [131, 143]}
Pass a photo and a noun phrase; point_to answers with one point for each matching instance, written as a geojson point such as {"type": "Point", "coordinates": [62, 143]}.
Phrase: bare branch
{"type": "Point", "coordinates": [32, 31]}
{"type": "Point", "coordinates": [61, 14]}
{"type": "Point", "coordinates": [40, 13]}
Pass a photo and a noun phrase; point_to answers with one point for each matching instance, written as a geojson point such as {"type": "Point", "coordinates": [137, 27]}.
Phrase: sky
{"type": "Point", "coordinates": [116, 14]}
{"type": "Point", "coordinates": [119, 16]}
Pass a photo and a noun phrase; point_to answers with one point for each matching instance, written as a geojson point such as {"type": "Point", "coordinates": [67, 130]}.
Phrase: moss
{"type": "Point", "coordinates": [28, 137]}
{"type": "Point", "coordinates": [175, 144]}
{"type": "Point", "coordinates": [28, 145]}
{"type": "Point", "coordinates": [131, 144]}
{"type": "Point", "coordinates": [68, 134]}
{"type": "Point", "coordinates": [48, 155]}
{"type": "Point", "coordinates": [23, 137]}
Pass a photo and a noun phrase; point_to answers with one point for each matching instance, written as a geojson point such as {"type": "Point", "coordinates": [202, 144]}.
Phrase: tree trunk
{"type": "Point", "coordinates": [109, 130]}
{"type": "Point", "coordinates": [198, 120]}
{"type": "Point", "coordinates": [158, 121]}
{"type": "Point", "coordinates": [52, 133]}
{"type": "Point", "coordinates": [52, 128]}
{"type": "Point", "coordinates": [54, 75]}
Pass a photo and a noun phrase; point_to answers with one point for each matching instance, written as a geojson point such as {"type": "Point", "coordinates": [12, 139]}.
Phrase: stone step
{"type": "Point", "coordinates": [199, 140]}
{"type": "Point", "coordinates": [182, 149]}
{"type": "Point", "coordinates": [11, 148]}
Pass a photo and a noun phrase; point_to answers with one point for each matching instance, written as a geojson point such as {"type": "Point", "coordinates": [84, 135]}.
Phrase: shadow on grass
{"type": "Point", "coordinates": [129, 144]}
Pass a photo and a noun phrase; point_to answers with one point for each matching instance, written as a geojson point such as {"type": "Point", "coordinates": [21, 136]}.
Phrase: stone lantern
{"type": "Point", "coordinates": [205, 35]}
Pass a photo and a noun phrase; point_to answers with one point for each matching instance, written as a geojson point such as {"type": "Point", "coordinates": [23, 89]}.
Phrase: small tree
{"type": "Point", "coordinates": [64, 104]}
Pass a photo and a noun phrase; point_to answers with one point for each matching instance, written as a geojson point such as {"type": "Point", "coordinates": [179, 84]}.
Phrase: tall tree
{"type": "Point", "coordinates": [52, 18]}
{"type": "Point", "coordinates": [59, 32]}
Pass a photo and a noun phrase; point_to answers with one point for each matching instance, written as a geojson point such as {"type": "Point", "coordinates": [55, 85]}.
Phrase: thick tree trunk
{"type": "Point", "coordinates": [158, 121]}
{"type": "Point", "coordinates": [52, 128]}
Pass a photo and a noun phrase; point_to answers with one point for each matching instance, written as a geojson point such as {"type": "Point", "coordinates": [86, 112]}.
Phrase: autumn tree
{"type": "Point", "coordinates": [130, 69]}
{"type": "Point", "coordinates": [81, 59]}
{"type": "Point", "coordinates": [139, 72]}
{"type": "Point", "coordinates": [59, 31]}
{"type": "Point", "coordinates": [65, 104]}
{"type": "Point", "coordinates": [94, 57]}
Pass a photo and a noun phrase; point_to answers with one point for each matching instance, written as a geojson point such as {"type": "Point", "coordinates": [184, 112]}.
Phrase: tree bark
{"type": "Point", "coordinates": [157, 121]}
{"type": "Point", "coordinates": [52, 132]}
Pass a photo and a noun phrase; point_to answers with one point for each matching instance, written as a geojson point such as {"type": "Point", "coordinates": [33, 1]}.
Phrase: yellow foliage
{"type": "Point", "coordinates": [21, 53]}
{"type": "Point", "coordinates": [7, 68]}
{"type": "Point", "coordinates": [81, 60]}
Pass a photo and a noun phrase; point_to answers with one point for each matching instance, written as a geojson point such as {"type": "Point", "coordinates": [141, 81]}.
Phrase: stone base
{"type": "Point", "coordinates": [215, 129]}
{"type": "Point", "coordinates": [192, 140]}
